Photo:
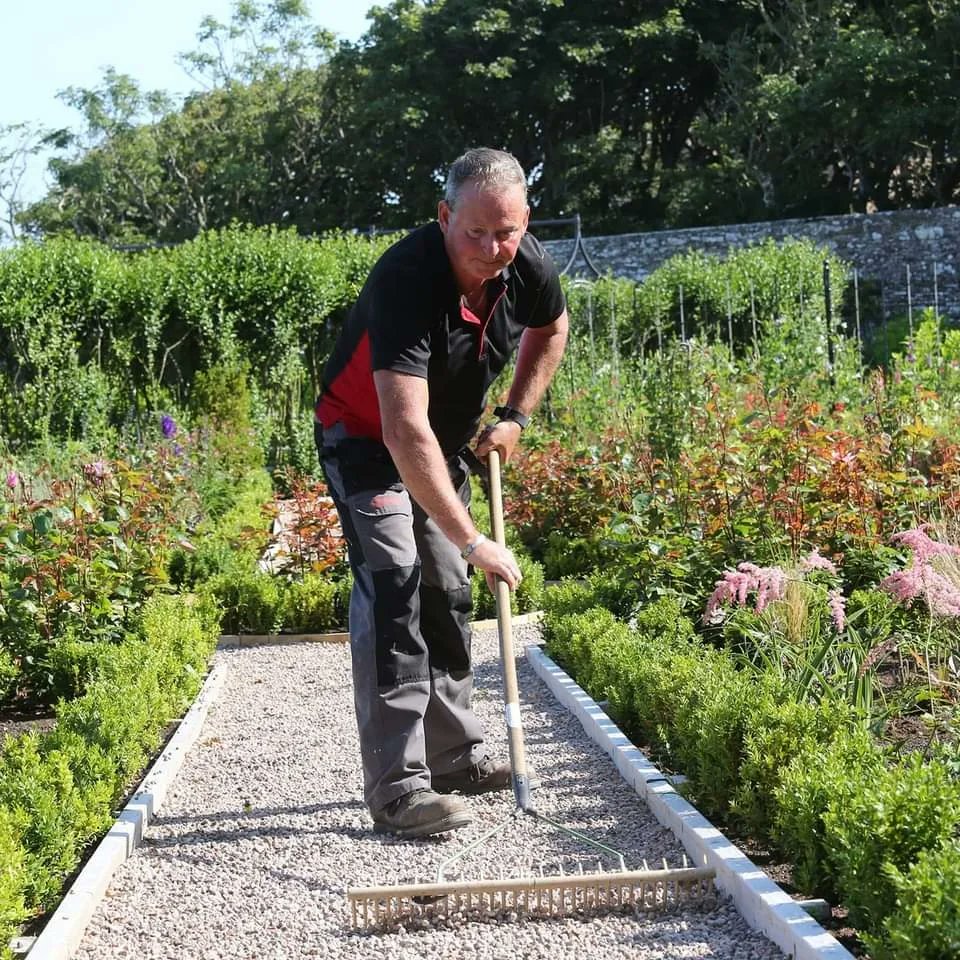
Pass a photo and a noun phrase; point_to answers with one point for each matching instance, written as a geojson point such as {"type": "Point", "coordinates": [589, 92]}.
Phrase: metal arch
{"type": "Point", "coordinates": [578, 246]}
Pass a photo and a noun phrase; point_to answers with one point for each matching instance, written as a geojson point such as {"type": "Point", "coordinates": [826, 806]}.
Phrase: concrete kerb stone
{"type": "Point", "coordinates": [763, 904]}
{"type": "Point", "coordinates": [63, 932]}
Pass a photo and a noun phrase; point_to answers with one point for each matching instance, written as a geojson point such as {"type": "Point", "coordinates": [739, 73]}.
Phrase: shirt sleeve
{"type": "Point", "coordinates": [548, 301]}
{"type": "Point", "coordinates": [399, 325]}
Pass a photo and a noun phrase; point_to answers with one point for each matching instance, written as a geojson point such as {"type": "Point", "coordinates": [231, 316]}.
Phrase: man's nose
{"type": "Point", "coordinates": [490, 247]}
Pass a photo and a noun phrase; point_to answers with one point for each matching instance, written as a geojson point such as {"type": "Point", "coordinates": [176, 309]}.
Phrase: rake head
{"type": "Point", "coordinates": [386, 907]}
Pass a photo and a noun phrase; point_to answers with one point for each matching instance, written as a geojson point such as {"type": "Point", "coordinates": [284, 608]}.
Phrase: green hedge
{"type": "Point", "coordinates": [58, 791]}
{"type": "Point", "coordinates": [808, 778]}
{"type": "Point", "coordinates": [94, 335]}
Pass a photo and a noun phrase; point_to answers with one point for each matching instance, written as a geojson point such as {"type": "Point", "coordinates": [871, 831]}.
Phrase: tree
{"type": "Point", "coordinates": [249, 148]}
{"type": "Point", "coordinates": [831, 105]}
{"type": "Point", "coordinates": [18, 143]}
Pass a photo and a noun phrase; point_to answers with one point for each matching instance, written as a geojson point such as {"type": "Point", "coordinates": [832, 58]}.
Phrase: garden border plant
{"type": "Point", "coordinates": [818, 774]}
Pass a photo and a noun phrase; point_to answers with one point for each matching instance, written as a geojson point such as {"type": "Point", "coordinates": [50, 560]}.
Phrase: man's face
{"type": "Point", "coordinates": [482, 233]}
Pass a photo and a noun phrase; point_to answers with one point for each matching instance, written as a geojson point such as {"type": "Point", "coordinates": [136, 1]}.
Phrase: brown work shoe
{"type": "Point", "coordinates": [420, 814]}
{"type": "Point", "coordinates": [480, 777]}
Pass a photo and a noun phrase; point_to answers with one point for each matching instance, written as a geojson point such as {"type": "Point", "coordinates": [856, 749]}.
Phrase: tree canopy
{"type": "Point", "coordinates": [635, 115]}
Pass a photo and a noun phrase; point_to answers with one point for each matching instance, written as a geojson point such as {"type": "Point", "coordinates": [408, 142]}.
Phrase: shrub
{"type": "Point", "coordinates": [777, 729]}
{"type": "Point", "coordinates": [73, 663]}
{"type": "Point", "coordinates": [891, 818]}
{"type": "Point", "coordinates": [13, 877]}
{"type": "Point", "coordinates": [925, 924]}
{"type": "Point", "coordinates": [249, 599]}
{"type": "Point", "coordinates": [58, 791]}
{"type": "Point", "coordinates": [527, 597]}
{"type": "Point", "coordinates": [819, 777]}
{"type": "Point", "coordinates": [311, 605]}
{"type": "Point", "coordinates": [9, 674]}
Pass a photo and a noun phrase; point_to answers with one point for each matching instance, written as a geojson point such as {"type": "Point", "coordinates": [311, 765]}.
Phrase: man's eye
{"type": "Point", "coordinates": [475, 234]}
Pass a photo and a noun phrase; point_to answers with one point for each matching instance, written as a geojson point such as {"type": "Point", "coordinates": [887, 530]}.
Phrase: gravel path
{"type": "Point", "coordinates": [264, 829]}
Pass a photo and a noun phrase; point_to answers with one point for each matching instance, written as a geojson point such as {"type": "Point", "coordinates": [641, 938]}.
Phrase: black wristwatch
{"type": "Point", "coordinates": [510, 413]}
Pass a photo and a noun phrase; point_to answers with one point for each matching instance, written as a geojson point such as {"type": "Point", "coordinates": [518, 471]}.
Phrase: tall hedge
{"type": "Point", "coordinates": [96, 335]}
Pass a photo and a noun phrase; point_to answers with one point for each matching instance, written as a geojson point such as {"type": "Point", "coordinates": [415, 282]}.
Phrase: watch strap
{"type": "Point", "coordinates": [512, 414]}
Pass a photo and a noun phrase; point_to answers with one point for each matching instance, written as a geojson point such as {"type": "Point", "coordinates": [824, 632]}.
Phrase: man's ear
{"type": "Point", "coordinates": [443, 215]}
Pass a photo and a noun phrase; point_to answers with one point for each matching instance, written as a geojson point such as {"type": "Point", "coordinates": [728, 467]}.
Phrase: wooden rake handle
{"type": "Point", "coordinates": [511, 694]}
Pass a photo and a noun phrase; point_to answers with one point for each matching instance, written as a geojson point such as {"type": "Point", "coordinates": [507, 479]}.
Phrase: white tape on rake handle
{"type": "Point", "coordinates": [512, 712]}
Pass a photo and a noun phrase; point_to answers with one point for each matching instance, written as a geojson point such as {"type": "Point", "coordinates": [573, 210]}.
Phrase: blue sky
{"type": "Point", "coordinates": [56, 44]}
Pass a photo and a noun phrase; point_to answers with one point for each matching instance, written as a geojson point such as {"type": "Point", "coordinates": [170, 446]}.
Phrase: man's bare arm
{"type": "Point", "coordinates": [404, 402]}
{"type": "Point", "coordinates": [541, 350]}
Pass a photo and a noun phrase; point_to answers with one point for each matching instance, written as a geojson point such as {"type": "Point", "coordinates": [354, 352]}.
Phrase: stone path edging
{"type": "Point", "coordinates": [760, 901]}
{"type": "Point", "coordinates": [63, 932]}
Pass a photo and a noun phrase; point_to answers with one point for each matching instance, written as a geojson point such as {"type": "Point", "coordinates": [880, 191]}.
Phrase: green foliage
{"type": "Point", "coordinates": [99, 340]}
{"type": "Point", "coordinates": [925, 924]}
{"type": "Point", "coordinates": [222, 407]}
{"type": "Point", "coordinates": [58, 791]}
{"type": "Point", "coordinates": [821, 777]}
{"type": "Point", "coordinates": [9, 674]}
{"type": "Point", "coordinates": [526, 598]}
{"type": "Point", "coordinates": [219, 542]}
{"type": "Point", "coordinates": [251, 601]}
{"type": "Point", "coordinates": [777, 729]}
{"type": "Point", "coordinates": [13, 878]}
{"type": "Point", "coordinates": [891, 819]}
{"type": "Point", "coordinates": [74, 662]}
{"type": "Point", "coordinates": [311, 605]}
{"type": "Point", "coordinates": [82, 553]}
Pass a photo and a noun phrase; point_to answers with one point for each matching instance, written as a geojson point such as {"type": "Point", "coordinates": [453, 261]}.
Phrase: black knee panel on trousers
{"type": "Point", "coordinates": [444, 622]}
{"type": "Point", "coordinates": [401, 653]}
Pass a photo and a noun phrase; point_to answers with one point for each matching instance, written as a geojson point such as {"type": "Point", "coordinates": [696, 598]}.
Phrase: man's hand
{"type": "Point", "coordinates": [502, 437]}
{"type": "Point", "coordinates": [496, 561]}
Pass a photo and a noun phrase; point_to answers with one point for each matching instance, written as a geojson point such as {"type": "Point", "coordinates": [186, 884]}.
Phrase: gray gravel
{"type": "Point", "coordinates": [264, 829]}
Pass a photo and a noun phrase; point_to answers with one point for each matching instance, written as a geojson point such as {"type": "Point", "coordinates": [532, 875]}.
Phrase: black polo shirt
{"type": "Point", "coordinates": [409, 318]}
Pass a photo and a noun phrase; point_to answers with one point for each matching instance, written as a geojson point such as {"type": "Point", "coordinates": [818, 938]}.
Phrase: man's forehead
{"type": "Point", "coordinates": [503, 201]}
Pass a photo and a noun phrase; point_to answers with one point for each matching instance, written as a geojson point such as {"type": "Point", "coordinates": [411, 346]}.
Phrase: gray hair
{"type": "Point", "coordinates": [485, 168]}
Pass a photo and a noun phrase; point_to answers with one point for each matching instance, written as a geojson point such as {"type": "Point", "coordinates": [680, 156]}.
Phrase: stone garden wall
{"type": "Point", "coordinates": [905, 258]}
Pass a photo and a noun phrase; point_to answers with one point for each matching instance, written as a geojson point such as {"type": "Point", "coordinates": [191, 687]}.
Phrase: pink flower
{"type": "Point", "coordinates": [921, 578]}
{"type": "Point", "coordinates": [838, 609]}
{"type": "Point", "coordinates": [943, 597]}
{"type": "Point", "coordinates": [12, 479]}
{"type": "Point", "coordinates": [816, 562]}
{"type": "Point", "coordinates": [922, 546]}
{"type": "Point", "coordinates": [735, 586]}
{"type": "Point", "coordinates": [904, 585]}
{"type": "Point", "coordinates": [97, 471]}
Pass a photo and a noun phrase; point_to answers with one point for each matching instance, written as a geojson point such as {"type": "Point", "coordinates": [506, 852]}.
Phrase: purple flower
{"type": "Point", "coordinates": [178, 450]}
{"type": "Point", "coordinates": [12, 479]}
{"type": "Point", "coordinates": [168, 425]}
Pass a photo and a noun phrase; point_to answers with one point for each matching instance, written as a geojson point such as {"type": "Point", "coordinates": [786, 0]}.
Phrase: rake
{"type": "Point", "coordinates": [537, 893]}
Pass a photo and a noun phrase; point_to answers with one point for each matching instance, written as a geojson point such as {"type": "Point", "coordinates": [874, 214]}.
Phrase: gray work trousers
{"type": "Point", "coordinates": [409, 623]}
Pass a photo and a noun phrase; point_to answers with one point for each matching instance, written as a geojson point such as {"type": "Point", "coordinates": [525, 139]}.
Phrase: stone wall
{"type": "Point", "coordinates": [910, 258]}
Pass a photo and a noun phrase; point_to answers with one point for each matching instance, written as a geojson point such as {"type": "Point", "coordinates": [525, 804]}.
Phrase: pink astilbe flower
{"type": "Point", "coordinates": [736, 585]}
{"type": "Point", "coordinates": [922, 547]}
{"type": "Point", "coordinates": [12, 479]}
{"type": "Point", "coordinates": [904, 585]}
{"type": "Point", "coordinates": [921, 578]}
{"type": "Point", "coordinates": [838, 609]}
{"type": "Point", "coordinates": [816, 562]}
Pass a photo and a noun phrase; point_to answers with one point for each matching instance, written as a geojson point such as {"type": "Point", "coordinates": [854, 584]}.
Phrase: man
{"type": "Point", "coordinates": [403, 393]}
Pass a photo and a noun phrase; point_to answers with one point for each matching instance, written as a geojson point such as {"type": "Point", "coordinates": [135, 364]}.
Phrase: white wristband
{"type": "Point", "coordinates": [470, 547]}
